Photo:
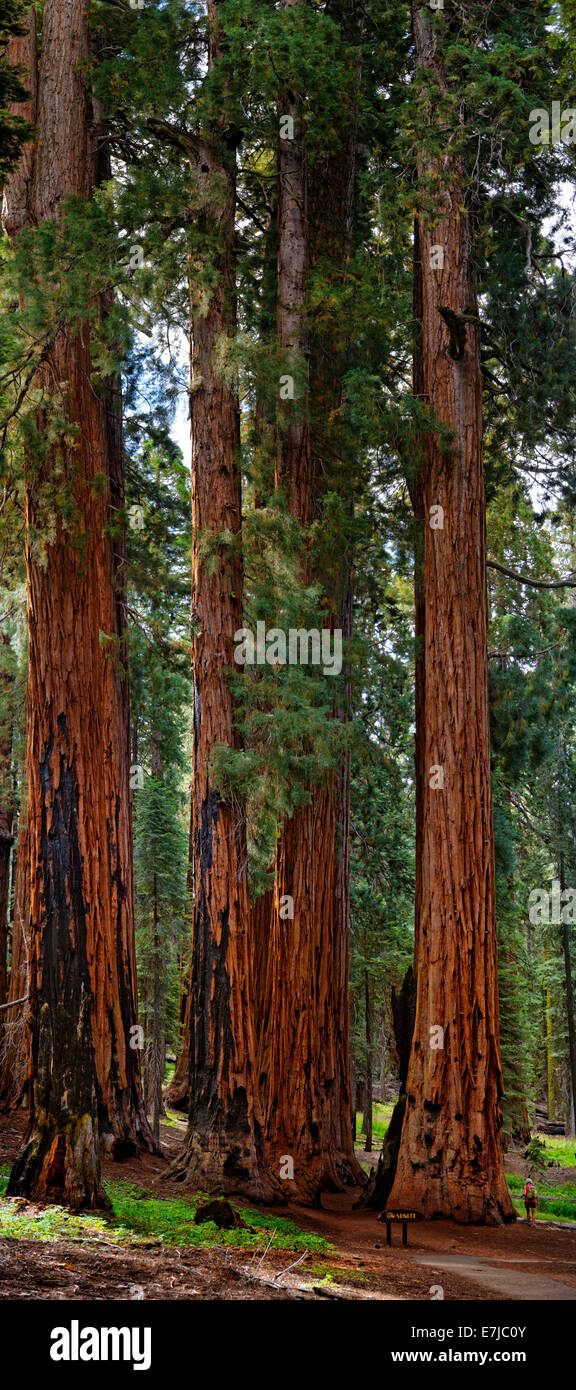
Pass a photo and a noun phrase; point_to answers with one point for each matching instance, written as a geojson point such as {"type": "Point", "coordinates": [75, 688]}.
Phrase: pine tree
{"type": "Point", "coordinates": [158, 551]}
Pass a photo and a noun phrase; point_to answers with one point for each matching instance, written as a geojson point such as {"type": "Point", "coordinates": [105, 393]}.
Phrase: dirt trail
{"type": "Point", "coordinates": [513, 1283]}
{"type": "Point", "coordinates": [468, 1263]}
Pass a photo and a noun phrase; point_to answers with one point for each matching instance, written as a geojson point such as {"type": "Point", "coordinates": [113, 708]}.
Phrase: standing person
{"type": "Point", "coordinates": [531, 1201]}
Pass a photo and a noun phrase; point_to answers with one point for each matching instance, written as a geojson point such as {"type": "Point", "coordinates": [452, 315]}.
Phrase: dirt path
{"type": "Point", "coordinates": [468, 1263]}
{"type": "Point", "coordinates": [473, 1263]}
{"type": "Point", "coordinates": [513, 1283]}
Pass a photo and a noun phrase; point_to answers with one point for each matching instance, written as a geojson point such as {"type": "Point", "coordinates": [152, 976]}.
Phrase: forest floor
{"type": "Point", "coordinates": [467, 1262]}
{"type": "Point", "coordinates": [352, 1262]}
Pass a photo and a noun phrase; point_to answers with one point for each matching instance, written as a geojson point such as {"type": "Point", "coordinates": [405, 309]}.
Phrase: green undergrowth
{"type": "Point", "coordinates": [558, 1202]}
{"type": "Point", "coordinates": [381, 1117]}
{"type": "Point", "coordinates": [175, 1119]}
{"type": "Point", "coordinates": [559, 1150]}
{"type": "Point", "coordinates": [172, 1220]}
{"type": "Point", "coordinates": [140, 1218]}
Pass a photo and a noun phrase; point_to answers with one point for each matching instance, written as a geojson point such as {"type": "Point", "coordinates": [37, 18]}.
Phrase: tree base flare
{"type": "Point", "coordinates": [305, 1179]}
{"type": "Point", "coordinates": [231, 1167]}
{"type": "Point", "coordinates": [447, 1198]}
{"type": "Point", "coordinates": [61, 1168]}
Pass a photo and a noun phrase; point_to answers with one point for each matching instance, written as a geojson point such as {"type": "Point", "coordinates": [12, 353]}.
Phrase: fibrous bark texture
{"type": "Point", "coordinates": [223, 1147]}
{"type": "Point", "coordinates": [304, 1042]}
{"type": "Point", "coordinates": [450, 1161]}
{"type": "Point", "coordinates": [85, 1070]}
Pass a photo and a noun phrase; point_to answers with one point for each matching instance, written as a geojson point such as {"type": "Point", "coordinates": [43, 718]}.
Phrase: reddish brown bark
{"type": "Point", "coordinates": [299, 992]}
{"type": "Point", "coordinates": [383, 1176]}
{"type": "Point", "coordinates": [288, 972]}
{"type": "Point", "coordinates": [178, 1091]}
{"type": "Point", "coordinates": [417, 497]}
{"type": "Point", "coordinates": [6, 842]}
{"type": "Point", "coordinates": [6, 825]}
{"type": "Point", "coordinates": [261, 914]}
{"type": "Point", "coordinates": [304, 1066]}
{"type": "Point", "coordinates": [340, 1118]}
{"type": "Point", "coordinates": [450, 1161]}
{"type": "Point", "coordinates": [85, 1077]}
{"type": "Point", "coordinates": [568, 985]}
{"type": "Point", "coordinates": [222, 1150]}
{"type": "Point", "coordinates": [294, 470]}
{"type": "Point", "coordinates": [331, 202]}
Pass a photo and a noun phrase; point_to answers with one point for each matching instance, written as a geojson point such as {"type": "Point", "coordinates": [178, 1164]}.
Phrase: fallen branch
{"type": "Point", "coordinates": [299, 1261]}
{"type": "Point", "coordinates": [13, 1002]}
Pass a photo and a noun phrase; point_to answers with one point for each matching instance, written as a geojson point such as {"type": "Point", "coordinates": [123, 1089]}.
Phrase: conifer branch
{"type": "Point", "coordinates": [568, 583]}
{"type": "Point", "coordinates": [174, 135]}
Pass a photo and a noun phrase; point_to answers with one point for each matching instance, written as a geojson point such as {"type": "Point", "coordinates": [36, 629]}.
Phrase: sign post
{"type": "Point", "coordinates": [404, 1217]}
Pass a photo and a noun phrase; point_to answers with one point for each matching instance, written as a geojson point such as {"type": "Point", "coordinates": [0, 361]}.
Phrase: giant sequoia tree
{"type": "Point", "coordinates": [82, 976]}
{"type": "Point", "coordinates": [223, 1147]}
{"type": "Point", "coordinates": [450, 1160]}
{"type": "Point", "coordinates": [297, 967]}
{"type": "Point", "coordinates": [270, 161]}
{"type": "Point", "coordinates": [304, 1067]}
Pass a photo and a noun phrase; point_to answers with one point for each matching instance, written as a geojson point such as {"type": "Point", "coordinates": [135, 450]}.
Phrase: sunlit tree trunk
{"type": "Point", "coordinates": [450, 1161]}
{"type": "Point", "coordinates": [223, 1146]}
{"type": "Point", "coordinates": [304, 1066]}
{"type": "Point", "coordinates": [369, 1030]}
{"type": "Point", "coordinates": [332, 193]}
{"type": "Point", "coordinates": [85, 1069]}
{"type": "Point", "coordinates": [551, 1070]}
{"type": "Point", "coordinates": [178, 1091]}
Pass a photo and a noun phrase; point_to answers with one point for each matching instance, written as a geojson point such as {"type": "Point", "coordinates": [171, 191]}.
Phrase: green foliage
{"type": "Point", "coordinates": [381, 1117]}
{"type": "Point", "coordinates": [138, 1218]}
{"type": "Point", "coordinates": [160, 684]}
{"type": "Point", "coordinates": [171, 1220]}
{"type": "Point", "coordinates": [535, 1155]}
{"type": "Point", "coordinates": [147, 247]}
{"type": "Point", "coordinates": [13, 129]}
{"type": "Point", "coordinates": [561, 1151]}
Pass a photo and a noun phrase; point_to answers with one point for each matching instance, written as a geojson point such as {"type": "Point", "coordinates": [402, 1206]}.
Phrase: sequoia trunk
{"type": "Point", "coordinates": [85, 1077]}
{"type": "Point", "coordinates": [304, 1066]}
{"type": "Point", "coordinates": [222, 1150]}
{"type": "Point", "coordinates": [382, 1178]}
{"type": "Point", "coordinates": [178, 1091]}
{"type": "Point", "coordinates": [450, 1160]}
